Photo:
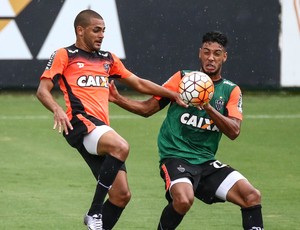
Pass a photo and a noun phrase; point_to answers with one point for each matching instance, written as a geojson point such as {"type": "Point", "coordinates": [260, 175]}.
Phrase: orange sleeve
{"type": "Point", "coordinates": [172, 83]}
{"type": "Point", "coordinates": [118, 68]}
{"type": "Point", "coordinates": [234, 105]}
{"type": "Point", "coordinates": [56, 64]}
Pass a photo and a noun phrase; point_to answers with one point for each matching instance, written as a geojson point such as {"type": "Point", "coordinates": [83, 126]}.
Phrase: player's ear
{"type": "Point", "coordinates": [79, 30]}
{"type": "Point", "coordinates": [225, 57]}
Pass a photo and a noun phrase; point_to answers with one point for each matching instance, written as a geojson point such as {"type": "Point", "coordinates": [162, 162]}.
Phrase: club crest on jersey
{"type": "Point", "coordinates": [92, 81]}
{"type": "Point", "coordinates": [106, 67]}
{"type": "Point", "coordinates": [219, 104]}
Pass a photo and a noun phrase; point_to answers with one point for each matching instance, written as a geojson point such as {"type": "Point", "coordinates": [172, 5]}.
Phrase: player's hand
{"type": "Point", "coordinates": [203, 106]}
{"type": "Point", "coordinates": [113, 92]}
{"type": "Point", "coordinates": [179, 100]}
{"type": "Point", "coordinates": [61, 121]}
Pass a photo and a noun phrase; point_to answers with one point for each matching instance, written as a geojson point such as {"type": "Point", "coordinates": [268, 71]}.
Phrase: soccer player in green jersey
{"type": "Point", "coordinates": [188, 141]}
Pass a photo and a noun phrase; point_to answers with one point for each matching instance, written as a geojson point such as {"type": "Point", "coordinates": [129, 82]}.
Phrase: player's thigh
{"type": "Point", "coordinates": [243, 193]}
{"type": "Point", "coordinates": [91, 140]}
{"type": "Point", "coordinates": [114, 144]}
{"type": "Point", "coordinates": [215, 182]}
{"type": "Point", "coordinates": [119, 193]}
{"type": "Point", "coordinates": [182, 192]}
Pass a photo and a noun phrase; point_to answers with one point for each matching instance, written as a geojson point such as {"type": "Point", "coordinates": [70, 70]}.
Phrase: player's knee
{"type": "Point", "coordinates": [183, 204]}
{"type": "Point", "coordinates": [121, 150]}
{"type": "Point", "coordinates": [125, 198]}
{"type": "Point", "coordinates": [253, 198]}
{"type": "Point", "coordinates": [121, 199]}
{"type": "Point", "coordinates": [125, 149]}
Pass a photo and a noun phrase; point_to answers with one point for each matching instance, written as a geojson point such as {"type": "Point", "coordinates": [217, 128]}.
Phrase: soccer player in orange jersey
{"type": "Point", "coordinates": [188, 141]}
{"type": "Point", "coordinates": [82, 72]}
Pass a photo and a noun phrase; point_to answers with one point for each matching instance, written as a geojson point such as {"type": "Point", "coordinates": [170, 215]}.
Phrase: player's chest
{"type": "Point", "coordinates": [84, 73]}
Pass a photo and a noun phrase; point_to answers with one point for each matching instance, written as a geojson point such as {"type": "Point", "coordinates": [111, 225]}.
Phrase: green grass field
{"type": "Point", "coordinates": [44, 183]}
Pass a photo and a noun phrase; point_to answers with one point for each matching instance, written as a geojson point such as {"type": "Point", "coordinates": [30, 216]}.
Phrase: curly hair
{"type": "Point", "coordinates": [215, 36]}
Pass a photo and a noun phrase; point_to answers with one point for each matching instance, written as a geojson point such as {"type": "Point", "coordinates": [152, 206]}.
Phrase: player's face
{"type": "Point", "coordinates": [212, 55]}
{"type": "Point", "coordinates": [92, 36]}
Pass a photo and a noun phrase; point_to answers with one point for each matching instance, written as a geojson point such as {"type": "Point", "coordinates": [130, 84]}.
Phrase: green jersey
{"type": "Point", "coordinates": [189, 133]}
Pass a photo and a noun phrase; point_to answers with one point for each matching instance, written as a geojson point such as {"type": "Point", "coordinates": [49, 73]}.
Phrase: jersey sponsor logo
{"type": "Point", "coordinates": [198, 122]}
{"type": "Point", "coordinates": [10, 34]}
{"type": "Point", "coordinates": [80, 65]}
{"type": "Point", "coordinates": [50, 62]}
{"type": "Point", "coordinates": [228, 83]}
{"type": "Point", "coordinates": [92, 81]}
{"type": "Point", "coordinates": [240, 104]}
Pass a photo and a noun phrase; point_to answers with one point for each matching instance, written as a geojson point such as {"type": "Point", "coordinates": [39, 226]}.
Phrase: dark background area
{"type": "Point", "coordinates": [162, 37]}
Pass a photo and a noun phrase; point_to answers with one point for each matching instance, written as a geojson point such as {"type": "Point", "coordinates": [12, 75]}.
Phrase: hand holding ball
{"type": "Point", "coordinates": [196, 88]}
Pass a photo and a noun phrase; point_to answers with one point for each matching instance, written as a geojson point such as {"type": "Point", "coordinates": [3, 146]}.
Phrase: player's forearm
{"type": "Point", "coordinates": [47, 100]}
{"type": "Point", "coordinates": [145, 108]}
{"type": "Point", "coordinates": [151, 88]}
{"type": "Point", "coordinates": [230, 127]}
{"type": "Point", "coordinates": [133, 106]}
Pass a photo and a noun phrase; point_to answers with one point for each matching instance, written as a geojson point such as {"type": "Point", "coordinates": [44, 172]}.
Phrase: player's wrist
{"type": "Point", "coordinates": [205, 105]}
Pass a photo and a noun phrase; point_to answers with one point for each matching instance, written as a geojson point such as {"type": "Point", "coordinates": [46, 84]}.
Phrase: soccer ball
{"type": "Point", "coordinates": [196, 88]}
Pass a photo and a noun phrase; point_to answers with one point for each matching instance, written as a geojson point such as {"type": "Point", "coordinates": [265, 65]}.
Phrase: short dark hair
{"type": "Point", "coordinates": [215, 36]}
{"type": "Point", "coordinates": [83, 18]}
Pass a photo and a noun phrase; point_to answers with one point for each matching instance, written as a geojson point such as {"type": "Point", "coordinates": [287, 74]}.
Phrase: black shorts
{"type": "Point", "coordinates": [80, 129]}
{"type": "Point", "coordinates": [205, 178]}
{"type": "Point", "coordinates": [75, 139]}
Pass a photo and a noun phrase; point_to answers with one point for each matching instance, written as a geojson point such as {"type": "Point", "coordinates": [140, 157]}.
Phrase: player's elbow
{"type": "Point", "coordinates": [233, 137]}
{"type": "Point", "coordinates": [39, 94]}
{"type": "Point", "coordinates": [233, 134]}
{"type": "Point", "coordinates": [147, 113]}
{"type": "Point", "coordinates": [44, 89]}
{"type": "Point", "coordinates": [149, 107]}
{"type": "Point", "coordinates": [233, 130]}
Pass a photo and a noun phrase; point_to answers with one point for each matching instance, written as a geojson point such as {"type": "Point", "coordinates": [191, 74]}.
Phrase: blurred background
{"type": "Point", "coordinates": [156, 38]}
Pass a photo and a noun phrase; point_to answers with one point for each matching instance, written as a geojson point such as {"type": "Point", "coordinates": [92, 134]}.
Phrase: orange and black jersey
{"type": "Point", "coordinates": [83, 79]}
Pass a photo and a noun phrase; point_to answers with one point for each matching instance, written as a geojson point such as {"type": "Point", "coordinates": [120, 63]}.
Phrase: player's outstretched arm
{"type": "Point", "coordinates": [143, 108]}
{"type": "Point", "coordinates": [61, 121]}
{"type": "Point", "coordinates": [148, 87]}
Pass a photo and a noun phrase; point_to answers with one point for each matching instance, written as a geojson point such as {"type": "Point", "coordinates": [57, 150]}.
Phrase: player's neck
{"type": "Point", "coordinates": [216, 77]}
{"type": "Point", "coordinates": [83, 47]}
